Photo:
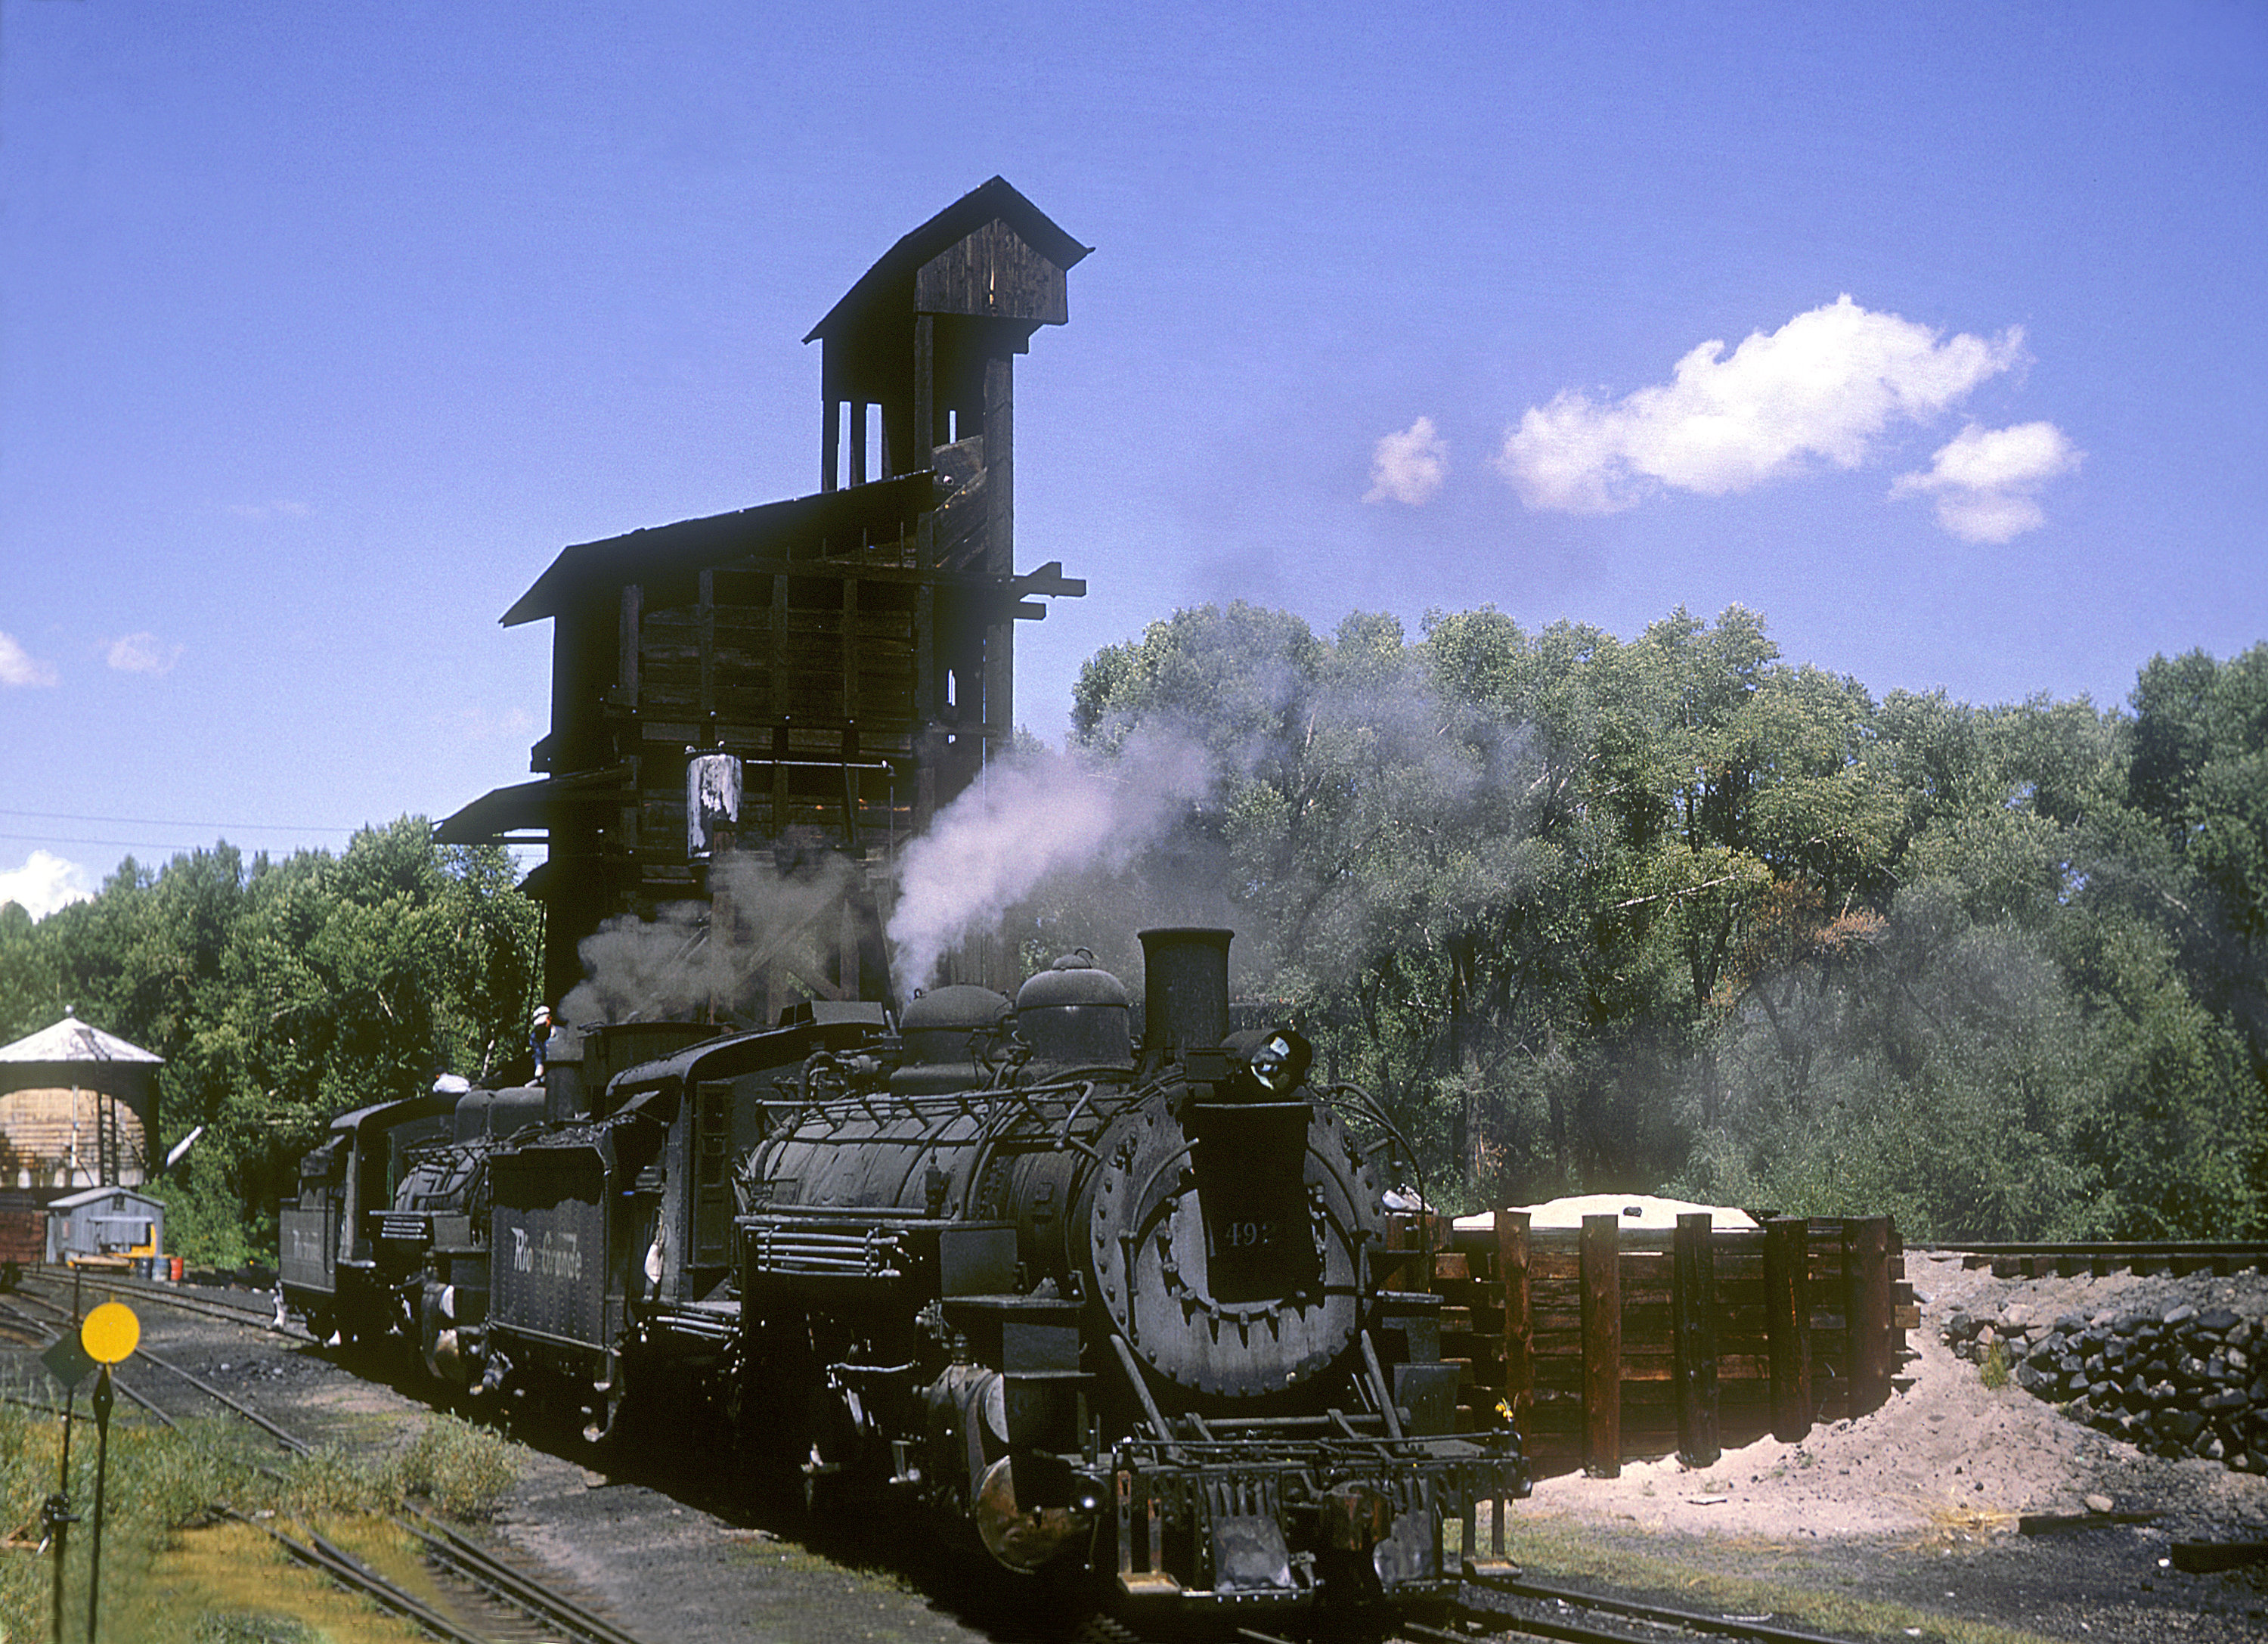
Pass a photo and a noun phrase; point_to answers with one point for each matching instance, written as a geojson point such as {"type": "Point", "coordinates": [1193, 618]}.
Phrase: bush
{"type": "Point", "coordinates": [333, 1480]}
{"type": "Point", "coordinates": [463, 1470]}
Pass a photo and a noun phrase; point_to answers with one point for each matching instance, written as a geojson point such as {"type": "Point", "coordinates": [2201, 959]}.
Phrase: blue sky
{"type": "Point", "coordinates": [322, 330]}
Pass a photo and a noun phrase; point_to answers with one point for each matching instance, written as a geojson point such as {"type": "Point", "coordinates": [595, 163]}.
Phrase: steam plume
{"type": "Point", "coordinates": [1028, 819]}
{"type": "Point", "coordinates": [678, 962]}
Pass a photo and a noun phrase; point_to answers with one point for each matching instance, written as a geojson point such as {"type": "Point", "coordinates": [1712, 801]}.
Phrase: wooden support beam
{"type": "Point", "coordinates": [775, 649]}
{"type": "Point", "coordinates": [850, 657]}
{"type": "Point", "coordinates": [1603, 1346]}
{"type": "Point", "coordinates": [780, 752]}
{"type": "Point", "coordinates": [1517, 1346]}
{"type": "Point", "coordinates": [830, 444]}
{"type": "Point", "coordinates": [999, 717]}
{"type": "Point", "coordinates": [926, 697]}
{"type": "Point", "coordinates": [1787, 1325]}
{"type": "Point", "coordinates": [1693, 1330]}
{"type": "Point", "coordinates": [704, 637]}
{"type": "Point", "coordinates": [1000, 462]}
{"type": "Point", "coordinates": [925, 408]}
{"type": "Point", "coordinates": [858, 442]}
{"type": "Point", "coordinates": [1866, 1309]}
{"type": "Point", "coordinates": [929, 741]}
{"type": "Point", "coordinates": [626, 646]}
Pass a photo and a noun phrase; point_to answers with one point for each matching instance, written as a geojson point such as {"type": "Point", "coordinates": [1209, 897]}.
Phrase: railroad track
{"type": "Point", "coordinates": [2178, 1257]}
{"type": "Point", "coordinates": [1533, 1609]}
{"type": "Point", "coordinates": [1553, 1611]}
{"type": "Point", "coordinates": [51, 1285]}
{"type": "Point", "coordinates": [523, 1606]}
{"type": "Point", "coordinates": [1578, 1616]}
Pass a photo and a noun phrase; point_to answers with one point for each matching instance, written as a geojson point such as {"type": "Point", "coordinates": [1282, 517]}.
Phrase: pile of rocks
{"type": "Point", "coordinates": [2180, 1380]}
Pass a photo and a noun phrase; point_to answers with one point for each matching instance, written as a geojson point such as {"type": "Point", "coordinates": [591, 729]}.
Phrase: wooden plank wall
{"type": "Point", "coordinates": [23, 1228]}
{"type": "Point", "coordinates": [1672, 1366]}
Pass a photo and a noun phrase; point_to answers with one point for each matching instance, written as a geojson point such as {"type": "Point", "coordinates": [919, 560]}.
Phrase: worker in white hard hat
{"type": "Point", "coordinates": [539, 1034]}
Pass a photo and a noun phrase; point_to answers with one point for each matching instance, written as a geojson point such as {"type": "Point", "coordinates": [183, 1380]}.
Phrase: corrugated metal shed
{"type": "Point", "coordinates": [104, 1221]}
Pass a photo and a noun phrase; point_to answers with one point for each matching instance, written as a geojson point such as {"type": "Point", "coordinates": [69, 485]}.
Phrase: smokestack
{"type": "Point", "coordinates": [1184, 991]}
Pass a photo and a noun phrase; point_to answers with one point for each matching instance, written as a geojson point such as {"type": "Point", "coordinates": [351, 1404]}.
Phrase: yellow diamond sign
{"type": "Point", "coordinates": [110, 1333]}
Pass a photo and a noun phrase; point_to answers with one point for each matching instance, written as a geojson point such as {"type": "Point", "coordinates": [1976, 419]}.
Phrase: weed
{"type": "Point", "coordinates": [463, 1470]}
{"type": "Point", "coordinates": [1994, 1367]}
{"type": "Point", "coordinates": [1737, 1575]}
{"type": "Point", "coordinates": [245, 1628]}
{"type": "Point", "coordinates": [167, 1582]}
{"type": "Point", "coordinates": [331, 1480]}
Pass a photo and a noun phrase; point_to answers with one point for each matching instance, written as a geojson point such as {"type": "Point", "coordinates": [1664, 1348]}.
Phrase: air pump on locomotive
{"type": "Point", "coordinates": [1119, 1311]}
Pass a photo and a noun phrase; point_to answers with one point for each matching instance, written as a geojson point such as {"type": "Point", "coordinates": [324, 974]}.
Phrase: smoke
{"type": "Point", "coordinates": [1316, 816]}
{"type": "Point", "coordinates": [681, 962]}
{"type": "Point", "coordinates": [1038, 820]}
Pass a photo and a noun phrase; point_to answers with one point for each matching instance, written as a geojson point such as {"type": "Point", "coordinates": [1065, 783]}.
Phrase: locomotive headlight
{"type": "Point", "coordinates": [1279, 1061]}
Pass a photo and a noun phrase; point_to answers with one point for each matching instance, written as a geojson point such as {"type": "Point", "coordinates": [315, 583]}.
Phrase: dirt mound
{"type": "Point", "coordinates": [1947, 1450]}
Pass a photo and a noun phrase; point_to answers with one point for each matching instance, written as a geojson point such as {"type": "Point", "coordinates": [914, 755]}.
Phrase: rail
{"type": "Point", "coordinates": [451, 1551]}
{"type": "Point", "coordinates": [174, 1297]}
{"type": "Point", "coordinates": [2177, 1257]}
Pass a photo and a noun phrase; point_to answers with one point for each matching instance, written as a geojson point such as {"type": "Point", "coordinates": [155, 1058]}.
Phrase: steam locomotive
{"type": "Point", "coordinates": [1123, 1314]}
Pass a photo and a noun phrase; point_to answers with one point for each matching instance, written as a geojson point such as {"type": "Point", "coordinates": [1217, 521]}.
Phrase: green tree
{"type": "Point", "coordinates": [283, 992]}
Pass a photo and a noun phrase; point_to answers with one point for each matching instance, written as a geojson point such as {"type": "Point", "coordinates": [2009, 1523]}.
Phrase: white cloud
{"type": "Point", "coordinates": [44, 883]}
{"type": "Point", "coordinates": [1409, 467]}
{"type": "Point", "coordinates": [1823, 386]}
{"type": "Point", "coordinates": [281, 509]}
{"type": "Point", "coordinates": [1984, 478]}
{"type": "Point", "coordinates": [142, 653]}
{"type": "Point", "coordinates": [19, 667]}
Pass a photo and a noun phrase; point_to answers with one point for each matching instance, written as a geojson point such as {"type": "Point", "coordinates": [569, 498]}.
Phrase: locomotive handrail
{"type": "Point", "coordinates": [1064, 1137]}
{"type": "Point", "coordinates": [1011, 1106]}
{"type": "Point", "coordinates": [1394, 1136]}
{"type": "Point", "coordinates": [1385, 1393]}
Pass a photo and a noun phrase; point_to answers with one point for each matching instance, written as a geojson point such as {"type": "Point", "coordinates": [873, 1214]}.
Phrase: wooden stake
{"type": "Point", "coordinates": [1693, 1327]}
{"type": "Point", "coordinates": [1518, 1348]}
{"type": "Point", "coordinates": [1788, 1324]}
{"type": "Point", "coordinates": [1603, 1346]}
{"type": "Point", "coordinates": [1866, 1309]}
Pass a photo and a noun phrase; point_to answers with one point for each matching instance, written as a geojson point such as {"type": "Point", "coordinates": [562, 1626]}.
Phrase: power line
{"type": "Point", "coordinates": [166, 821]}
{"type": "Point", "coordinates": [129, 845]}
